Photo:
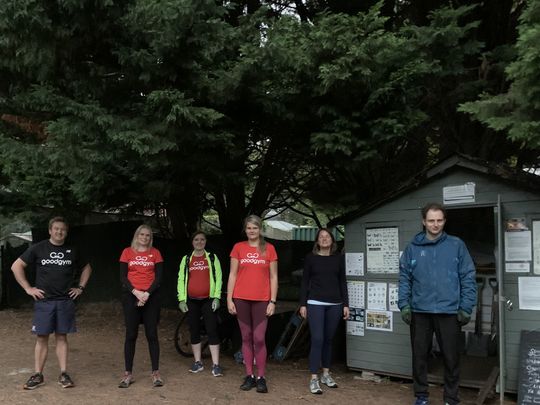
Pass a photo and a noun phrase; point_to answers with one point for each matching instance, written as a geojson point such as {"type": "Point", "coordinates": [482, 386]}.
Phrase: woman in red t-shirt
{"type": "Point", "coordinates": [141, 267]}
{"type": "Point", "coordinates": [251, 295]}
{"type": "Point", "coordinates": [199, 295]}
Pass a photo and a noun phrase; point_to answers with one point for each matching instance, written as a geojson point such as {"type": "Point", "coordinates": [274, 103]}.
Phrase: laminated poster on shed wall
{"type": "Point", "coordinates": [517, 246]}
{"type": "Point", "coordinates": [379, 320]}
{"type": "Point", "coordinates": [355, 323]}
{"type": "Point", "coordinates": [382, 250]}
{"type": "Point", "coordinates": [355, 290]}
{"type": "Point", "coordinates": [354, 264]}
{"type": "Point", "coordinates": [377, 296]}
{"type": "Point", "coordinates": [529, 293]}
{"type": "Point", "coordinates": [536, 246]}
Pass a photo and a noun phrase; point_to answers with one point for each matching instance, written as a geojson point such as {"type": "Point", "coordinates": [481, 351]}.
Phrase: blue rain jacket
{"type": "Point", "coordinates": [437, 276]}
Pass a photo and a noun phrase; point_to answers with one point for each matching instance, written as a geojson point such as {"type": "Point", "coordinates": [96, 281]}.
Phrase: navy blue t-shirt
{"type": "Point", "coordinates": [324, 279]}
{"type": "Point", "coordinates": [56, 267]}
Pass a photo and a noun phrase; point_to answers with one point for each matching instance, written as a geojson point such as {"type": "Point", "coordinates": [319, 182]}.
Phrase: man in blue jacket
{"type": "Point", "coordinates": [437, 292]}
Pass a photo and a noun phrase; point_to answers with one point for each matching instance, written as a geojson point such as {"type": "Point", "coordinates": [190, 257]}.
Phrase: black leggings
{"type": "Point", "coordinates": [147, 315]}
{"type": "Point", "coordinates": [323, 322]}
{"type": "Point", "coordinates": [196, 309]}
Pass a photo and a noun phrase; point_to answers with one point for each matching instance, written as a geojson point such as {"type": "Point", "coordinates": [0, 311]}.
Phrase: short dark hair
{"type": "Point", "coordinates": [58, 219]}
{"type": "Point", "coordinates": [433, 206]}
{"type": "Point", "coordinates": [199, 232]}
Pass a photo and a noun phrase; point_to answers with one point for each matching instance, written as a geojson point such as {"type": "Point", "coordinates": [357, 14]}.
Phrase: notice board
{"type": "Point", "coordinates": [529, 368]}
{"type": "Point", "coordinates": [382, 250]}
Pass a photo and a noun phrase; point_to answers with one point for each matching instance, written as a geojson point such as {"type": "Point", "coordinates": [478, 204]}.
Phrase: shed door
{"type": "Point", "coordinates": [512, 318]}
{"type": "Point", "coordinates": [501, 301]}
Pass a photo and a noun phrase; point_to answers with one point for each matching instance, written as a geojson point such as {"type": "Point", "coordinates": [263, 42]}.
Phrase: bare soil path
{"type": "Point", "coordinates": [96, 365]}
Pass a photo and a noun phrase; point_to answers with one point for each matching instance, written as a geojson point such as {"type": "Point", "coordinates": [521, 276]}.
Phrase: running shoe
{"type": "Point", "coordinates": [327, 380]}
{"type": "Point", "coordinates": [421, 401]}
{"type": "Point", "coordinates": [239, 357]}
{"type": "Point", "coordinates": [65, 380]}
{"type": "Point", "coordinates": [216, 370]}
{"type": "Point", "coordinates": [196, 367]}
{"type": "Point", "coordinates": [314, 386]}
{"type": "Point", "coordinates": [261, 385]}
{"type": "Point", "coordinates": [126, 381]}
{"type": "Point", "coordinates": [249, 383]}
{"type": "Point", "coordinates": [156, 379]}
{"type": "Point", "coordinates": [34, 381]}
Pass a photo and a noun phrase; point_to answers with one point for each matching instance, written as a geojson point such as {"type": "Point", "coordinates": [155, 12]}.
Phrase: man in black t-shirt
{"type": "Point", "coordinates": [54, 308]}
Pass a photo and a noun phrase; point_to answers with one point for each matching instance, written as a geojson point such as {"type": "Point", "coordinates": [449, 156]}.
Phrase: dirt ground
{"type": "Point", "coordinates": [96, 365]}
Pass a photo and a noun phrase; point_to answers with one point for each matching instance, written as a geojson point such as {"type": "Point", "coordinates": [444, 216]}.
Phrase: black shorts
{"type": "Point", "coordinates": [54, 316]}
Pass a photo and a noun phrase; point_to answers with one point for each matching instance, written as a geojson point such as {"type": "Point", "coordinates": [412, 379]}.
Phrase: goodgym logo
{"type": "Point", "coordinates": [198, 265]}
{"type": "Point", "coordinates": [141, 261]}
{"type": "Point", "coordinates": [252, 258]}
{"type": "Point", "coordinates": [56, 258]}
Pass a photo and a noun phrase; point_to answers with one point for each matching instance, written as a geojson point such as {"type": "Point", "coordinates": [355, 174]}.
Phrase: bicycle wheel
{"type": "Point", "coordinates": [182, 338]}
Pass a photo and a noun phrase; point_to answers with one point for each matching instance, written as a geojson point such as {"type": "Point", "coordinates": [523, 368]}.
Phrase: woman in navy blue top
{"type": "Point", "coordinates": [324, 301]}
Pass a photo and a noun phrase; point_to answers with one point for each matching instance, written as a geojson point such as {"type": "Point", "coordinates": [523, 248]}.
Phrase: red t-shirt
{"type": "Point", "coordinates": [199, 277]}
{"type": "Point", "coordinates": [141, 265]}
{"type": "Point", "coordinates": [253, 279]}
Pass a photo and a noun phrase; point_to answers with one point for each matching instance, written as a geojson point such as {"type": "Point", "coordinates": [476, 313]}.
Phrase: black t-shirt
{"type": "Point", "coordinates": [56, 267]}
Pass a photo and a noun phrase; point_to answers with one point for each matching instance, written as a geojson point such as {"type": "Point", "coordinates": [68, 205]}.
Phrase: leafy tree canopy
{"type": "Point", "coordinates": [517, 110]}
{"type": "Point", "coordinates": [177, 107]}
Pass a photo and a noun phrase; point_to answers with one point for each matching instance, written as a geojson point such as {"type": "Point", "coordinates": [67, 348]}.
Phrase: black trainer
{"type": "Point", "coordinates": [261, 385]}
{"type": "Point", "coordinates": [249, 383]}
{"type": "Point", "coordinates": [34, 381]}
{"type": "Point", "coordinates": [65, 380]}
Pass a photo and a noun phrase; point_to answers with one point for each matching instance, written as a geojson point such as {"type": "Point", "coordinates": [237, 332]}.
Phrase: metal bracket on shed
{"type": "Point", "coordinates": [507, 301]}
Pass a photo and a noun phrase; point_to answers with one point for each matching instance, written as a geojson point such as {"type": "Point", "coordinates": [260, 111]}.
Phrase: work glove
{"type": "Point", "coordinates": [463, 317]}
{"type": "Point", "coordinates": [183, 306]}
{"type": "Point", "coordinates": [216, 304]}
{"type": "Point", "coordinates": [406, 315]}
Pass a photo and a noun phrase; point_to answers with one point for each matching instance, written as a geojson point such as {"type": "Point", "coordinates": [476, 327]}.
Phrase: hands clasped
{"type": "Point", "coordinates": [142, 296]}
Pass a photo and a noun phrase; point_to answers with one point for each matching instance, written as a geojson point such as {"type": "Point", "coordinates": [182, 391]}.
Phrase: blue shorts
{"type": "Point", "coordinates": [54, 316]}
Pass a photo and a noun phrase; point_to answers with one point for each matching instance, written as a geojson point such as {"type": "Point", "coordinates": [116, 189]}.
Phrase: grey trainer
{"type": "Point", "coordinates": [327, 380]}
{"type": "Point", "coordinates": [314, 386]}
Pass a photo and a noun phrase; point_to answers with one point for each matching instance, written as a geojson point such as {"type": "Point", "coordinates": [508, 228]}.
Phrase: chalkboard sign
{"type": "Point", "coordinates": [529, 368]}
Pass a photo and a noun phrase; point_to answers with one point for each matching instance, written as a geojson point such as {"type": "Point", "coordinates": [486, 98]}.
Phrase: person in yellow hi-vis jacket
{"type": "Point", "coordinates": [199, 294]}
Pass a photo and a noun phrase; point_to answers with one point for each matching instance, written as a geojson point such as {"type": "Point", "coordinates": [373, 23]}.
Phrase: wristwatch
{"type": "Point", "coordinates": [81, 287]}
{"type": "Point", "coordinates": [272, 302]}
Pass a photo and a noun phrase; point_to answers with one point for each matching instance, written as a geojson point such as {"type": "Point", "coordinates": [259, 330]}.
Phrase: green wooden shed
{"type": "Point", "coordinates": [496, 211]}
